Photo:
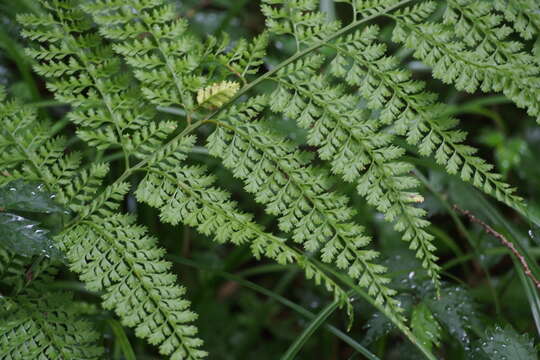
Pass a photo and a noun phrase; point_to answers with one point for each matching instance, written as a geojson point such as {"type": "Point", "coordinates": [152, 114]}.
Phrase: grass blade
{"type": "Point", "coordinates": [315, 324]}
{"type": "Point", "coordinates": [282, 300]}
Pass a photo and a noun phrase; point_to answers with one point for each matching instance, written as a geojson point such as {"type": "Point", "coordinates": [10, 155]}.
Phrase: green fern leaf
{"type": "Point", "coordinates": [114, 255]}
{"type": "Point", "coordinates": [279, 177]}
{"type": "Point", "coordinates": [41, 325]}
{"type": "Point", "coordinates": [496, 66]}
{"type": "Point", "coordinates": [348, 138]}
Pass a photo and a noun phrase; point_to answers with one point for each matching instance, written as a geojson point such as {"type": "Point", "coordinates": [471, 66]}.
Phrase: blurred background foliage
{"type": "Point", "coordinates": [253, 309]}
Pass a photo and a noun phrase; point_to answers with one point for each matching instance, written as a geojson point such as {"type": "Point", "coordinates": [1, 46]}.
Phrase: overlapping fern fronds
{"type": "Point", "coordinates": [116, 61]}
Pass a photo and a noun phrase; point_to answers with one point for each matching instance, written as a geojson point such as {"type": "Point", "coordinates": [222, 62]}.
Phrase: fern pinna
{"type": "Point", "coordinates": [118, 62]}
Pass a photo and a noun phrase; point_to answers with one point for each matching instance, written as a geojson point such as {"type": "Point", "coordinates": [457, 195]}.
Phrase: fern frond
{"type": "Point", "coordinates": [353, 126]}
{"type": "Point", "coordinates": [280, 178]}
{"type": "Point", "coordinates": [524, 15]}
{"type": "Point", "coordinates": [114, 255]}
{"type": "Point", "coordinates": [413, 112]}
{"type": "Point", "coordinates": [298, 18]}
{"type": "Point", "coordinates": [37, 324]}
{"type": "Point", "coordinates": [211, 97]}
{"type": "Point", "coordinates": [186, 194]}
{"type": "Point", "coordinates": [156, 43]}
{"type": "Point", "coordinates": [109, 109]}
{"type": "Point", "coordinates": [357, 149]}
{"type": "Point", "coordinates": [83, 71]}
{"type": "Point", "coordinates": [453, 62]}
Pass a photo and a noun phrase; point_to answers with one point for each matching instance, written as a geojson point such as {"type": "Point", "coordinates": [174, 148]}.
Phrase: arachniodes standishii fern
{"type": "Point", "coordinates": [116, 62]}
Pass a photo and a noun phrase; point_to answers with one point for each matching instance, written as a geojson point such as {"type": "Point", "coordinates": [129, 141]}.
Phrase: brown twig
{"type": "Point", "coordinates": [488, 229]}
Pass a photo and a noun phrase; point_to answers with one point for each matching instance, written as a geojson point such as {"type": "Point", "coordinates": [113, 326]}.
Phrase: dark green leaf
{"type": "Point", "coordinates": [504, 344]}
{"type": "Point", "coordinates": [24, 237]}
{"type": "Point", "coordinates": [455, 310]}
{"type": "Point", "coordinates": [19, 195]}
